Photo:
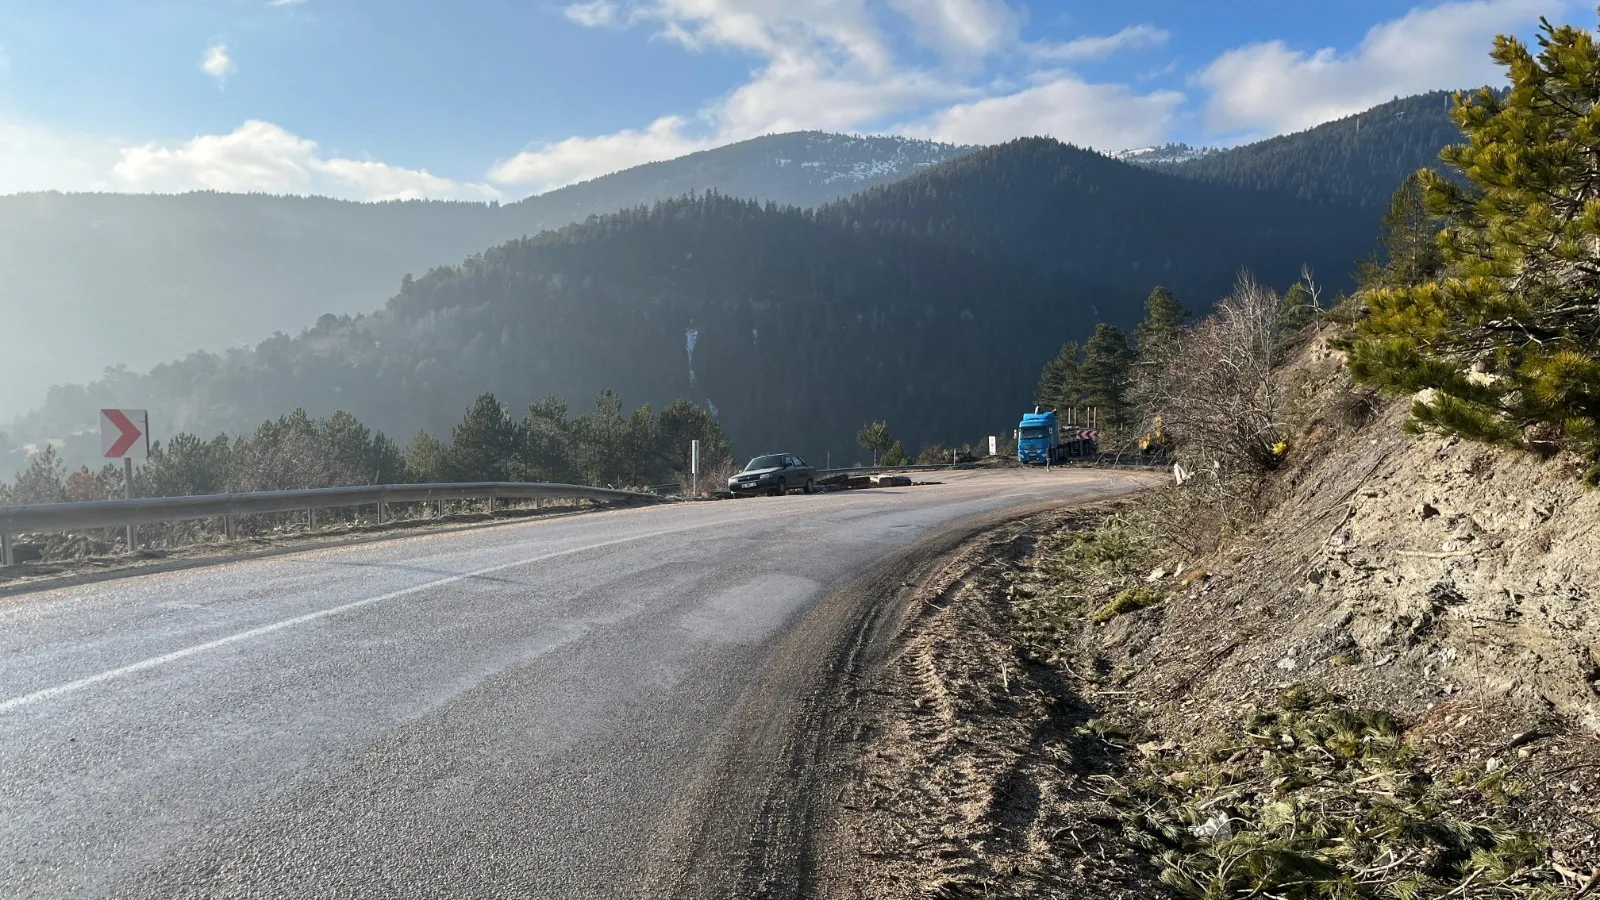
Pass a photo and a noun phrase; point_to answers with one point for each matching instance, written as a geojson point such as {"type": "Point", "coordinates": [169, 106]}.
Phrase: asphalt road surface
{"type": "Point", "coordinates": [538, 709]}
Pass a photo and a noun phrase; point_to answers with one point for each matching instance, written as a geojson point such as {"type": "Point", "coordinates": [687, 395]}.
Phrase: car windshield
{"type": "Point", "coordinates": [764, 462]}
{"type": "Point", "coordinates": [1034, 433]}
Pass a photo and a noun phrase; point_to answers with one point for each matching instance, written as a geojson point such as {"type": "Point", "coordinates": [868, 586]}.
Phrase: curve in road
{"type": "Point", "coordinates": [540, 709]}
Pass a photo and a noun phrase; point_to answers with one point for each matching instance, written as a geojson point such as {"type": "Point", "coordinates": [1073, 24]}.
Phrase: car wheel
{"type": "Point", "coordinates": [779, 489]}
{"type": "Point", "coordinates": [811, 486]}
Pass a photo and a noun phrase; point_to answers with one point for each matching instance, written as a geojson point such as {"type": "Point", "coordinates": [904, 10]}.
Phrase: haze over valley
{"type": "Point", "coordinates": [1052, 239]}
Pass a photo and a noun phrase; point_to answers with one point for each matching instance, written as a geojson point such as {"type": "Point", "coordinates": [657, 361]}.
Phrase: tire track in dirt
{"type": "Point", "coordinates": [749, 827]}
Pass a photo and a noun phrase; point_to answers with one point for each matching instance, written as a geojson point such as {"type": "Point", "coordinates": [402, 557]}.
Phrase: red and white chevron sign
{"type": "Point", "coordinates": [1088, 434]}
{"type": "Point", "coordinates": [125, 433]}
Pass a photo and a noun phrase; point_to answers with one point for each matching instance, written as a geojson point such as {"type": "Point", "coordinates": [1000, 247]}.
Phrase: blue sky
{"type": "Point", "coordinates": [480, 99]}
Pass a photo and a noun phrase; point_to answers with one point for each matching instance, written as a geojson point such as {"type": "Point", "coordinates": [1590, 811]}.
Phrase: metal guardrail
{"type": "Point", "coordinates": [59, 517]}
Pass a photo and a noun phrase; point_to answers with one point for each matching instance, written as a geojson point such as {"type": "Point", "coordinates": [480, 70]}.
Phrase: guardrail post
{"type": "Point", "coordinates": [440, 507]}
{"type": "Point", "coordinates": [383, 511]}
{"type": "Point", "coordinates": [311, 519]}
{"type": "Point", "coordinates": [227, 526]}
{"type": "Point", "coordinates": [7, 557]}
{"type": "Point", "coordinates": [127, 493]}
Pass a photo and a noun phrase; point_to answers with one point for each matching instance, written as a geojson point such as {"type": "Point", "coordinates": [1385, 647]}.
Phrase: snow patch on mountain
{"type": "Point", "coordinates": [1167, 154]}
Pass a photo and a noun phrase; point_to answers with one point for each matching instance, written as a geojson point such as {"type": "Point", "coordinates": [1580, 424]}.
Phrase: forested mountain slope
{"type": "Point", "coordinates": [1359, 160]}
{"type": "Point", "coordinates": [932, 302]}
{"type": "Point", "coordinates": [96, 280]}
{"type": "Point", "coordinates": [1112, 230]}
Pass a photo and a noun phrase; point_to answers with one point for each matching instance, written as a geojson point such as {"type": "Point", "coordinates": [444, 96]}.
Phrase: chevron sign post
{"type": "Point", "coordinates": [125, 435]}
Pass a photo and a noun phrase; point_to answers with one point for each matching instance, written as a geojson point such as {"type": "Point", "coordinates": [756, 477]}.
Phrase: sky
{"type": "Point", "coordinates": [500, 99]}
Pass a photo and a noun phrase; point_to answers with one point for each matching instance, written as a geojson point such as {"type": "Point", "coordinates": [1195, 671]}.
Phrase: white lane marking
{"type": "Point", "coordinates": [154, 661]}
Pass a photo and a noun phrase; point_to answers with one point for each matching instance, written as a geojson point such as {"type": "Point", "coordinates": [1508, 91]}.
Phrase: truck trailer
{"type": "Point", "coordinates": [1040, 441]}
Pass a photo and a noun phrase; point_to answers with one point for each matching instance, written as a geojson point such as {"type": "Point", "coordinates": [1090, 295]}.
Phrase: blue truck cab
{"type": "Point", "coordinates": [1039, 439]}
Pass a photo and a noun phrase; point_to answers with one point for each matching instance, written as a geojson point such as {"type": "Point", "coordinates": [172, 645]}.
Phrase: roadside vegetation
{"type": "Point", "coordinates": [605, 447]}
{"type": "Point", "coordinates": [1314, 797]}
{"type": "Point", "coordinates": [885, 450]}
{"type": "Point", "coordinates": [1296, 676]}
{"type": "Point", "coordinates": [1495, 327]}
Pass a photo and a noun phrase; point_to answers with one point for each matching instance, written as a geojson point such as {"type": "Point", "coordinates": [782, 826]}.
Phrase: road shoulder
{"type": "Point", "coordinates": [764, 819]}
{"type": "Point", "coordinates": [963, 770]}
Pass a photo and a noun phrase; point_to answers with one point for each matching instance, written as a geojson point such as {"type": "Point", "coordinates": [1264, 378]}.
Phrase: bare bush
{"type": "Point", "coordinates": [713, 477]}
{"type": "Point", "coordinates": [1217, 392]}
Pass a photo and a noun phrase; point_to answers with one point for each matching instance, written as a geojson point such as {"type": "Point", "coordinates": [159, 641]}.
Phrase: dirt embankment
{"type": "Point", "coordinates": [965, 775]}
{"type": "Point", "coordinates": [1405, 645]}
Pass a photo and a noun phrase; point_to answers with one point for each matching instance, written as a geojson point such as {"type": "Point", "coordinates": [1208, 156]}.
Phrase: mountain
{"type": "Point", "coordinates": [804, 169]}
{"type": "Point", "coordinates": [1166, 154]}
{"type": "Point", "coordinates": [1111, 230]}
{"type": "Point", "coordinates": [1359, 160]}
{"type": "Point", "coordinates": [931, 301]}
{"type": "Point", "coordinates": [92, 280]}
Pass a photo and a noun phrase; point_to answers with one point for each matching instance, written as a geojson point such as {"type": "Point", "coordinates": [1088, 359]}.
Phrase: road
{"type": "Point", "coordinates": [535, 709]}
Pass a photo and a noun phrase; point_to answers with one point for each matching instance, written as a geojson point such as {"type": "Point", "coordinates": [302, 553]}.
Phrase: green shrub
{"type": "Point", "coordinates": [1130, 600]}
{"type": "Point", "coordinates": [1502, 336]}
{"type": "Point", "coordinates": [1320, 799]}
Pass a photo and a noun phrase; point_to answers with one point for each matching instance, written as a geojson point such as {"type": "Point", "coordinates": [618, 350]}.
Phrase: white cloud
{"type": "Point", "coordinates": [1096, 47]}
{"type": "Point", "coordinates": [1269, 88]}
{"type": "Point", "coordinates": [829, 65]}
{"type": "Point", "coordinates": [963, 29]}
{"type": "Point", "coordinates": [825, 65]}
{"type": "Point", "coordinates": [285, 2]}
{"type": "Point", "coordinates": [594, 14]}
{"type": "Point", "coordinates": [579, 158]}
{"type": "Point", "coordinates": [839, 31]}
{"type": "Point", "coordinates": [217, 63]}
{"type": "Point", "coordinates": [261, 156]}
{"type": "Point", "coordinates": [1062, 106]}
{"type": "Point", "coordinates": [797, 92]}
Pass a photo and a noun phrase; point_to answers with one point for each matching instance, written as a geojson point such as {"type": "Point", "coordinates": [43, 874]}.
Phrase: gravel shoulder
{"type": "Point", "coordinates": [959, 769]}
{"type": "Point", "coordinates": [763, 823]}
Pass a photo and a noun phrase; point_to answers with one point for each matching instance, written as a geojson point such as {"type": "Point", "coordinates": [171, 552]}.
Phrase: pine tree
{"type": "Point", "coordinates": [348, 448]}
{"type": "Point", "coordinates": [1103, 378]}
{"type": "Point", "coordinates": [1409, 239]}
{"type": "Point", "coordinates": [683, 422]}
{"type": "Point", "coordinates": [484, 446]}
{"type": "Point", "coordinates": [1163, 319]}
{"type": "Point", "coordinates": [600, 439]}
{"type": "Point", "coordinates": [44, 480]}
{"type": "Point", "coordinates": [425, 459]}
{"type": "Point", "coordinates": [185, 466]}
{"type": "Point", "coordinates": [875, 439]}
{"type": "Point", "coordinates": [641, 444]}
{"type": "Point", "coordinates": [547, 452]}
{"type": "Point", "coordinates": [386, 461]}
{"type": "Point", "coordinates": [1053, 391]}
{"type": "Point", "coordinates": [1506, 341]}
